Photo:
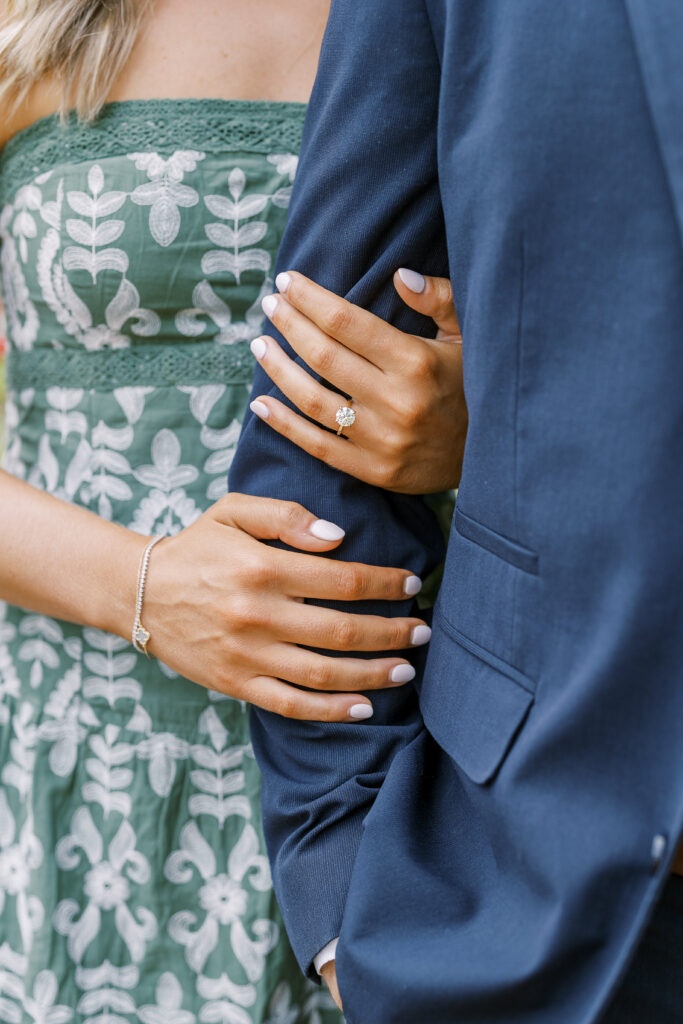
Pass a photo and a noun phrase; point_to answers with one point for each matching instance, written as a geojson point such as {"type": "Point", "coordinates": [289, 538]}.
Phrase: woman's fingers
{"type": "Point", "coordinates": [327, 357]}
{"type": "Point", "coordinates": [340, 631]}
{"type": "Point", "coordinates": [272, 519]}
{"type": "Point", "coordinates": [308, 395]}
{"type": "Point", "coordinates": [290, 702]}
{"type": "Point", "coordinates": [323, 579]}
{"type": "Point", "coordinates": [329, 674]}
{"type": "Point", "coordinates": [356, 329]}
{"type": "Point", "coordinates": [431, 296]}
{"type": "Point", "coordinates": [337, 452]}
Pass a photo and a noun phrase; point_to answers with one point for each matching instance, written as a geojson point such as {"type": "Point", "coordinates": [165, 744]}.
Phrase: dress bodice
{"type": "Point", "coordinates": [157, 223]}
{"type": "Point", "coordinates": [135, 252]}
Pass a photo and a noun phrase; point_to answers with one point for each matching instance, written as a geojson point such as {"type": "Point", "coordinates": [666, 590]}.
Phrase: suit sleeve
{"type": "Point", "coordinates": [365, 202]}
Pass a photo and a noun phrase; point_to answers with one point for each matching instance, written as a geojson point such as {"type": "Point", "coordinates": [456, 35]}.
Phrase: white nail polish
{"type": "Point", "coordinates": [260, 409]}
{"type": "Point", "coordinates": [326, 531]}
{"type": "Point", "coordinates": [402, 674]}
{"type": "Point", "coordinates": [258, 348]}
{"type": "Point", "coordinates": [412, 586]}
{"type": "Point", "coordinates": [421, 635]}
{"type": "Point", "coordinates": [412, 280]}
{"type": "Point", "coordinates": [360, 711]}
{"type": "Point", "coordinates": [269, 305]}
{"type": "Point", "coordinates": [282, 283]}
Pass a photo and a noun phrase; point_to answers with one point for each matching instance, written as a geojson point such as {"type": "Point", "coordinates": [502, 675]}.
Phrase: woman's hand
{"type": "Point", "coordinates": [224, 609]}
{"type": "Point", "coordinates": [227, 611]}
{"type": "Point", "coordinates": [407, 391]}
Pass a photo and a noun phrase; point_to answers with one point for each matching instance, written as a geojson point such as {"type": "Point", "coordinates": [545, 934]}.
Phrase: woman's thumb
{"type": "Point", "coordinates": [431, 296]}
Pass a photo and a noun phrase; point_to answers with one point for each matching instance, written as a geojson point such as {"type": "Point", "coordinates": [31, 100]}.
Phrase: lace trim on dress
{"type": "Point", "coordinates": [215, 126]}
{"type": "Point", "coordinates": [155, 365]}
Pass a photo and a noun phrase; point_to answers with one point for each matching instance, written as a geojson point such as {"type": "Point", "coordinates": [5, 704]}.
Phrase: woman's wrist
{"type": "Point", "coordinates": [115, 587]}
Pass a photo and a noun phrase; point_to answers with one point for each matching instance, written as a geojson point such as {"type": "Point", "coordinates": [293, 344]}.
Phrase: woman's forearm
{"type": "Point", "coordinates": [61, 560]}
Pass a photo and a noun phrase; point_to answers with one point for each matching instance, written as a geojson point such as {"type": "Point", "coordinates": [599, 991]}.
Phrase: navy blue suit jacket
{"type": "Point", "coordinates": [490, 843]}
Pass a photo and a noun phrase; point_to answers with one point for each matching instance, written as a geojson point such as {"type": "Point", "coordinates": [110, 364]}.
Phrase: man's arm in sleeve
{"type": "Point", "coordinates": [365, 202]}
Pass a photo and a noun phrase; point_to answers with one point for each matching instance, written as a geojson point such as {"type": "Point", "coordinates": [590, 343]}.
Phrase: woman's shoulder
{"type": "Point", "coordinates": [43, 100]}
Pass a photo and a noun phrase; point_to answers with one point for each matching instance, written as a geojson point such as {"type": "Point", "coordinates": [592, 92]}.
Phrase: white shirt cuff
{"type": "Point", "coordinates": [326, 954]}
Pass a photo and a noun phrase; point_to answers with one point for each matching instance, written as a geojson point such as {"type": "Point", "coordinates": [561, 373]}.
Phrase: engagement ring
{"type": "Point", "coordinates": [345, 417]}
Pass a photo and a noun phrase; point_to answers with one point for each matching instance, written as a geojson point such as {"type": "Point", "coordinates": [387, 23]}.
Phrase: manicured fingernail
{"type": "Point", "coordinates": [260, 409]}
{"type": "Point", "coordinates": [360, 711]}
{"type": "Point", "coordinates": [269, 304]}
{"type": "Point", "coordinates": [412, 586]}
{"type": "Point", "coordinates": [282, 282]}
{"type": "Point", "coordinates": [412, 280]}
{"type": "Point", "coordinates": [402, 674]}
{"type": "Point", "coordinates": [326, 531]}
{"type": "Point", "coordinates": [421, 635]}
{"type": "Point", "coordinates": [258, 348]}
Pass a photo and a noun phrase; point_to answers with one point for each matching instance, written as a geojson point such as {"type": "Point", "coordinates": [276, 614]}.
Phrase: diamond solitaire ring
{"type": "Point", "coordinates": [345, 417]}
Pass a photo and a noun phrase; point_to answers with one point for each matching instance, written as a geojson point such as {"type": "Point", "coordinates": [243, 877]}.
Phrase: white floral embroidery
{"type": "Point", "coordinates": [13, 967]}
{"type": "Point", "coordinates": [42, 1006]}
{"type": "Point", "coordinates": [107, 993]}
{"type": "Point", "coordinates": [22, 318]}
{"type": "Point", "coordinates": [280, 1008]}
{"type": "Point", "coordinates": [223, 899]}
{"type": "Point", "coordinates": [162, 750]}
{"type": "Point", "coordinates": [221, 442]}
{"type": "Point", "coordinates": [107, 887]}
{"type": "Point", "coordinates": [102, 464]}
{"type": "Point", "coordinates": [109, 665]}
{"type": "Point", "coordinates": [40, 651]}
{"type": "Point", "coordinates": [62, 417]}
{"type": "Point", "coordinates": [69, 309]}
{"type": "Point", "coordinates": [17, 860]}
{"type": "Point", "coordinates": [110, 779]}
{"type": "Point", "coordinates": [168, 1009]}
{"type": "Point", "coordinates": [123, 307]}
{"type": "Point", "coordinates": [17, 771]}
{"type": "Point", "coordinates": [9, 680]}
{"type": "Point", "coordinates": [224, 997]}
{"type": "Point", "coordinates": [318, 1001]}
{"type": "Point", "coordinates": [217, 775]}
{"type": "Point", "coordinates": [235, 255]}
{"type": "Point", "coordinates": [94, 251]}
{"type": "Point", "coordinates": [12, 461]}
{"type": "Point", "coordinates": [167, 508]}
{"type": "Point", "coordinates": [66, 722]}
{"type": "Point", "coordinates": [208, 303]}
{"type": "Point", "coordinates": [286, 165]}
{"type": "Point", "coordinates": [27, 200]}
{"type": "Point", "coordinates": [164, 192]}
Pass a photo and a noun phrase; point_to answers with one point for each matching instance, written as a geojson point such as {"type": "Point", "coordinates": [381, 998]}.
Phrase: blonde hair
{"type": "Point", "coordinates": [82, 44]}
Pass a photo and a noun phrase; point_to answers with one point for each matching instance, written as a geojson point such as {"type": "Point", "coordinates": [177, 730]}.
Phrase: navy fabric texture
{"type": "Point", "coordinates": [484, 845]}
{"type": "Point", "coordinates": [653, 989]}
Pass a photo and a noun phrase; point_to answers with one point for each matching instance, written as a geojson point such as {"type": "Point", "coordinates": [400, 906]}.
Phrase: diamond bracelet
{"type": "Point", "coordinates": [142, 636]}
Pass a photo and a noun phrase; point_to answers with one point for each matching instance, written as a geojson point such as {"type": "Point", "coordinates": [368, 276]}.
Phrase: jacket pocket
{"type": "Point", "coordinates": [472, 702]}
{"type": "Point", "coordinates": [508, 550]}
{"type": "Point", "coordinates": [490, 593]}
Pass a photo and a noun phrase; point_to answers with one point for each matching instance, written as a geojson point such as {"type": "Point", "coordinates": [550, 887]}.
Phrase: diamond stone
{"type": "Point", "coordinates": [141, 635]}
{"type": "Point", "coordinates": [345, 417]}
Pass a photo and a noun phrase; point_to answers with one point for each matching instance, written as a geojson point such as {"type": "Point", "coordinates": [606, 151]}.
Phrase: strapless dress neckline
{"type": "Point", "coordinates": [214, 124]}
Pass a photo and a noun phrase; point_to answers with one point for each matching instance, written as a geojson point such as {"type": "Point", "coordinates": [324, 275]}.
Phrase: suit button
{"type": "Point", "coordinates": [658, 851]}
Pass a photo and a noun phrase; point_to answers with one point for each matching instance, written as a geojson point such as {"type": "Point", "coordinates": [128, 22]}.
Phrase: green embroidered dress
{"type": "Point", "coordinates": [134, 884]}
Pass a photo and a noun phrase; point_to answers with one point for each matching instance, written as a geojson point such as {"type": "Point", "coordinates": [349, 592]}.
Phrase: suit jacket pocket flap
{"type": "Point", "coordinates": [473, 703]}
